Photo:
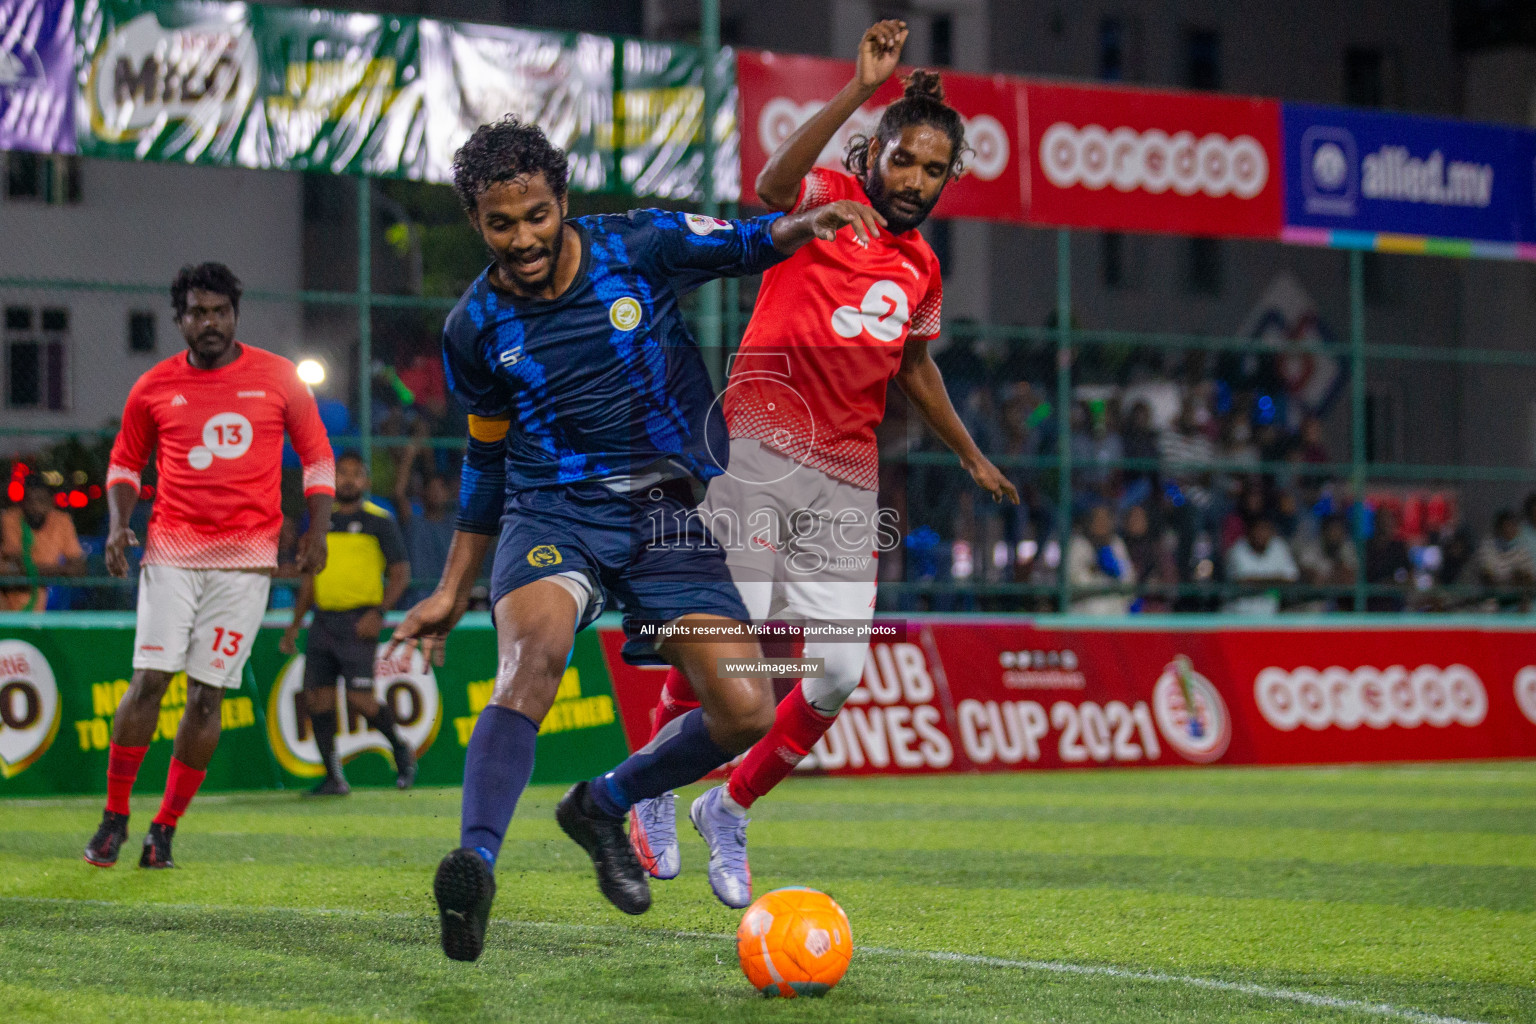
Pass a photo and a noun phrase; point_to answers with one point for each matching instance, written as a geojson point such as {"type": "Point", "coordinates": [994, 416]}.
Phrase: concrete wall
{"type": "Point", "coordinates": [140, 223]}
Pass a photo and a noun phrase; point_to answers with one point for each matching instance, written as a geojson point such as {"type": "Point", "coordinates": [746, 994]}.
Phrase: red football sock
{"type": "Point", "coordinates": [796, 728]}
{"type": "Point", "coordinates": [677, 699]}
{"type": "Point", "coordinates": [122, 769]}
{"type": "Point", "coordinates": [181, 785]}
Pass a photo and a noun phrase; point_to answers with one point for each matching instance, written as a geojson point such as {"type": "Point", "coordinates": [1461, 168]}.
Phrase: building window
{"type": "Point", "coordinates": [1381, 277]}
{"type": "Point", "coordinates": [141, 332]}
{"type": "Point", "coordinates": [937, 234]}
{"type": "Point", "coordinates": [36, 359]}
{"type": "Point", "coordinates": [1202, 59]}
{"type": "Point", "coordinates": [1365, 77]}
{"type": "Point", "coordinates": [52, 179]}
{"type": "Point", "coordinates": [941, 40]}
{"type": "Point", "coordinates": [1111, 50]}
{"type": "Point", "coordinates": [1119, 261]}
{"type": "Point", "coordinates": [1202, 266]}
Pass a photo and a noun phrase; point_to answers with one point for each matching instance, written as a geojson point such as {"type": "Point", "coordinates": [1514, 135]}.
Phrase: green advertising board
{"type": "Point", "coordinates": [62, 676]}
{"type": "Point", "coordinates": [303, 89]}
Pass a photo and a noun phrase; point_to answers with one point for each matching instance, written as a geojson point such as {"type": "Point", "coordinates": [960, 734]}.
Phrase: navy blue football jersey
{"type": "Point", "coordinates": [604, 382]}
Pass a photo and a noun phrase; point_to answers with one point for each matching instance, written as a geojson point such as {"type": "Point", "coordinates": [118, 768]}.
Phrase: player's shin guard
{"type": "Point", "coordinates": [677, 699]}
{"type": "Point", "coordinates": [497, 767]}
{"type": "Point", "coordinates": [796, 728]}
{"type": "Point", "coordinates": [122, 769]}
{"type": "Point", "coordinates": [681, 753]}
{"type": "Point", "coordinates": [181, 785]}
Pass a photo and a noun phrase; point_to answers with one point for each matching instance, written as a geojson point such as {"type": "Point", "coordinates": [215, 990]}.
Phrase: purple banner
{"type": "Point", "coordinates": [37, 75]}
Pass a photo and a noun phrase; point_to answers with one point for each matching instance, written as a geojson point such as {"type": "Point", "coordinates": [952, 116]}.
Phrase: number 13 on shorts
{"type": "Point", "coordinates": [226, 642]}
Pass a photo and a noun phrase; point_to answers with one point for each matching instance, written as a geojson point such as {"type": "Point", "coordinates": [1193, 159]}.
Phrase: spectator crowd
{"type": "Point", "coordinates": [1198, 494]}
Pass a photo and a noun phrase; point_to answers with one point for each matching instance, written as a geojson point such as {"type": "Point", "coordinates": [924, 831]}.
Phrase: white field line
{"type": "Point", "coordinates": [1049, 966]}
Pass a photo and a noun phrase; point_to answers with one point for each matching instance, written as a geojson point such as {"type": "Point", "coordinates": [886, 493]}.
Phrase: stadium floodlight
{"type": "Point", "coordinates": [312, 372]}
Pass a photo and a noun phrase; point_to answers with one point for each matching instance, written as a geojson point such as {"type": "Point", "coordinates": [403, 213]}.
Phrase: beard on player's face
{"type": "Point", "coordinates": [532, 267]}
{"type": "Point", "coordinates": [903, 209]}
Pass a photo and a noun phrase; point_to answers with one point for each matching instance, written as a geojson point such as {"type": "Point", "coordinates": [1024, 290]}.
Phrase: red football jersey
{"type": "Point", "coordinates": [826, 339]}
{"type": "Point", "coordinates": [218, 441]}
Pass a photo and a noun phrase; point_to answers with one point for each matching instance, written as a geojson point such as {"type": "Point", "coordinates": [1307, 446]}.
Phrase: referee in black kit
{"type": "Point", "coordinates": [349, 597]}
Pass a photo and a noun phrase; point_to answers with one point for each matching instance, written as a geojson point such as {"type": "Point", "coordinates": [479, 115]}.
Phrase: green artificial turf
{"type": "Point", "coordinates": [1355, 894]}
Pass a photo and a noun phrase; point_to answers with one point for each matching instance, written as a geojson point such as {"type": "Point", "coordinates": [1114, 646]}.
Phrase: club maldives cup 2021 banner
{"type": "Point", "coordinates": [996, 695]}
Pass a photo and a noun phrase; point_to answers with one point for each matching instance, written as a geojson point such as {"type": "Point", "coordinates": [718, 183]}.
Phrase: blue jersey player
{"type": "Point", "coordinates": [592, 428]}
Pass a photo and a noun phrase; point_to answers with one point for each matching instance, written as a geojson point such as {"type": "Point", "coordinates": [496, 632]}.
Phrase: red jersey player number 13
{"type": "Point", "coordinates": [214, 418]}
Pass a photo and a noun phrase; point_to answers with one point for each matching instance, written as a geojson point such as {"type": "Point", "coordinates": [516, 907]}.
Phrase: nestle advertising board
{"type": "Point", "coordinates": [1360, 170]}
{"type": "Point", "coordinates": [998, 696]}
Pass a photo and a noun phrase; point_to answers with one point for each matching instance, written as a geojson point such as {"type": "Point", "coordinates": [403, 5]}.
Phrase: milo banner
{"type": "Point", "coordinates": [996, 695]}
{"type": "Point", "coordinates": [60, 685]}
{"type": "Point", "coordinates": [298, 89]}
{"type": "Point", "coordinates": [37, 89]}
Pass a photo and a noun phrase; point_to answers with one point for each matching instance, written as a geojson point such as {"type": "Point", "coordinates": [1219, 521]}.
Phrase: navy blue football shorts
{"type": "Point", "coordinates": [650, 553]}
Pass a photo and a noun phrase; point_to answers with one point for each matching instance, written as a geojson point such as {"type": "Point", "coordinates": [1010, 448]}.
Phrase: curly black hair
{"type": "Point", "coordinates": [206, 277]}
{"type": "Point", "coordinates": [503, 151]}
{"type": "Point", "coordinates": [922, 102]}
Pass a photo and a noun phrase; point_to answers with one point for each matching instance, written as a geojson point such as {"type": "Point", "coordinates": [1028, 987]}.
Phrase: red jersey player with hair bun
{"type": "Point", "coordinates": [796, 510]}
{"type": "Point", "coordinates": [215, 417]}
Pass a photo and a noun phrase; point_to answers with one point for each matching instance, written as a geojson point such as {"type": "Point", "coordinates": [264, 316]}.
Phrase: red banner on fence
{"type": "Point", "coordinates": [1141, 160]}
{"type": "Point", "coordinates": [780, 92]}
{"type": "Point", "coordinates": [995, 696]}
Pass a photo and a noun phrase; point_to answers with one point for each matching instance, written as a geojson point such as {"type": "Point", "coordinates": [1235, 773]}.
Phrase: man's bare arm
{"type": "Point", "coordinates": [121, 498]}
{"type": "Point", "coordinates": [920, 378]}
{"type": "Point", "coordinates": [778, 183]}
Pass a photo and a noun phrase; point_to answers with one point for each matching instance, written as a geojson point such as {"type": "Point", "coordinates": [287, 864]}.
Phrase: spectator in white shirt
{"type": "Point", "coordinates": [1098, 558]}
{"type": "Point", "coordinates": [1259, 559]}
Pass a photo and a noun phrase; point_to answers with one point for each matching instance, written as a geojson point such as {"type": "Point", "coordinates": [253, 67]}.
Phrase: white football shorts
{"type": "Point", "coordinates": [801, 545]}
{"type": "Point", "coordinates": [203, 621]}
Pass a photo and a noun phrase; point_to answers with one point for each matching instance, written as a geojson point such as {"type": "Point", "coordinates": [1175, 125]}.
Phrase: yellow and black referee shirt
{"type": "Point", "coordinates": [362, 546]}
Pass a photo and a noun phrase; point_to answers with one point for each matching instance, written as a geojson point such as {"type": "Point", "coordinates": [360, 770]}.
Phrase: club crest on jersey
{"type": "Point", "coordinates": [543, 556]}
{"type": "Point", "coordinates": [624, 314]}
{"type": "Point", "coordinates": [702, 225]}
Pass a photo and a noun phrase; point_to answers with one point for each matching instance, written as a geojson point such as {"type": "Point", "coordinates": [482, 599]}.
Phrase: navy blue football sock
{"type": "Point", "coordinates": [497, 766]}
{"type": "Point", "coordinates": [680, 754]}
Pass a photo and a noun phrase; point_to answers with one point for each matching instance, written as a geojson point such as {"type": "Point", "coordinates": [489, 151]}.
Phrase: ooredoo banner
{"type": "Point", "coordinates": [1359, 170]}
{"type": "Point", "coordinates": [780, 92]}
{"type": "Point", "coordinates": [996, 696]}
{"type": "Point", "coordinates": [1143, 160]}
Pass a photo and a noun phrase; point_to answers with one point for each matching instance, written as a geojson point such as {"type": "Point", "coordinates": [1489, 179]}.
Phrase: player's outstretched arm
{"type": "Point", "coordinates": [790, 232]}
{"type": "Point", "coordinates": [778, 184]}
{"type": "Point", "coordinates": [920, 378]}
{"type": "Point", "coordinates": [426, 626]}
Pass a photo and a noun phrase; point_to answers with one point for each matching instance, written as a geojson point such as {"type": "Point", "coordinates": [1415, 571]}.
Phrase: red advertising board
{"type": "Point", "coordinates": [1143, 160]}
{"type": "Point", "coordinates": [780, 92]}
{"type": "Point", "coordinates": [1011, 695]}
